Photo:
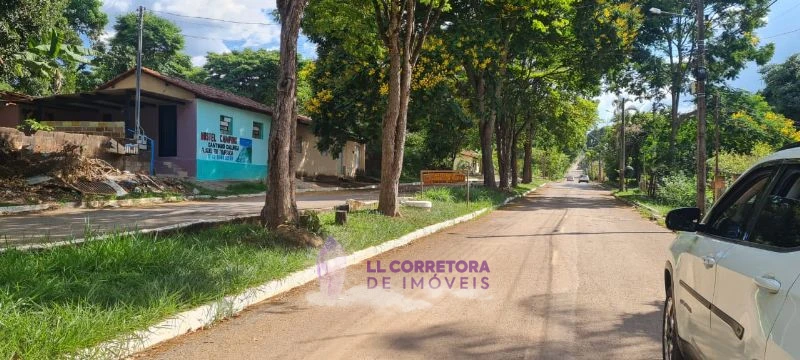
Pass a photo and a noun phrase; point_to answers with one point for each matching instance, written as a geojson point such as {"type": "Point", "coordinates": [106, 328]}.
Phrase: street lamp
{"type": "Point", "coordinates": [700, 74]}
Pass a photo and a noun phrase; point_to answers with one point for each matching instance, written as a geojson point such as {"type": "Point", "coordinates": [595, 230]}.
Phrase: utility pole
{"type": "Point", "coordinates": [622, 159]}
{"type": "Point", "coordinates": [716, 144]}
{"type": "Point", "coordinates": [138, 110]}
{"type": "Point", "coordinates": [700, 75]}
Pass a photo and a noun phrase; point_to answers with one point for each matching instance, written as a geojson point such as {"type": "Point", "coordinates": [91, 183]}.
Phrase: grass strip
{"type": "Point", "coordinates": [56, 302]}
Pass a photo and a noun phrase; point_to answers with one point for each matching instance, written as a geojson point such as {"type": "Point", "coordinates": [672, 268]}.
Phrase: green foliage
{"type": "Point", "coordinates": [678, 190]}
{"type": "Point", "coordinates": [782, 89]}
{"type": "Point", "coordinates": [310, 221]}
{"type": "Point", "coordinates": [162, 48]}
{"type": "Point", "coordinates": [28, 24]}
{"type": "Point", "coordinates": [249, 73]}
{"type": "Point", "coordinates": [731, 163]}
{"type": "Point", "coordinates": [550, 163]}
{"type": "Point", "coordinates": [30, 126]}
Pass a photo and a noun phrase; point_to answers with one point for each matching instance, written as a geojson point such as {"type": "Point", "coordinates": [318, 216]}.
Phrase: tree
{"type": "Point", "coordinates": [403, 34]}
{"type": "Point", "coordinates": [21, 22]}
{"type": "Point", "coordinates": [86, 17]}
{"type": "Point", "coordinates": [280, 206]}
{"type": "Point", "coordinates": [249, 73]}
{"type": "Point", "coordinates": [783, 87]}
{"type": "Point", "coordinates": [162, 48]}
{"type": "Point", "coordinates": [666, 45]}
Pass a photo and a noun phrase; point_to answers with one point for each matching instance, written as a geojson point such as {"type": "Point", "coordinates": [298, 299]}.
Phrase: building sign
{"type": "Point", "coordinates": [225, 148]}
{"type": "Point", "coordinates": [430, 177]}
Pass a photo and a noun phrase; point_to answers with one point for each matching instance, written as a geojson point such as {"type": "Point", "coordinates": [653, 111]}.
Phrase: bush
{"type": "Point", "coordinates": [31, 126]}
{"type": "Point", "coordinates": [443, 194]}
{"type": "Point", "coordinates": [310, 221]}
{"type": "Point", "coordinates": [677, 190]}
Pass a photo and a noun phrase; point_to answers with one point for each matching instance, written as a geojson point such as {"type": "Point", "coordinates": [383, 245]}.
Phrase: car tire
{"type": "Point", "coordinates": [669, 332]}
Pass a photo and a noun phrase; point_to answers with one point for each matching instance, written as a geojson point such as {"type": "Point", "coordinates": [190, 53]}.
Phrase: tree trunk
{"type": "Point", "coordinates": [485, 132]}
{"type": "Point", "coordinates": [527, 166]}
{"type": "Point", "coordinates": [280, 206]}
{"type": "Point", "coordinates": [390, 173]}
{"type": "Point", "coordinates": [674, 125]}
{"type": "Point", "coordinates": [514, 169]}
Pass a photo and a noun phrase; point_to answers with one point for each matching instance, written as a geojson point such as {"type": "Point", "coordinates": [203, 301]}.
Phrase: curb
{"type": "Point", "coordinates": [654, 214]}
{"type": "Point", "coordinates": [205, 315]}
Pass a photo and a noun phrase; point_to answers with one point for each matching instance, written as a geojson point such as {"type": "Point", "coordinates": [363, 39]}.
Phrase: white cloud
{"type": "Point", "coordinates": [204, 36]}
{"type": "Point", "coordinates": [606, 107]}
{"type": "Point", "coordinates": [199, 60]}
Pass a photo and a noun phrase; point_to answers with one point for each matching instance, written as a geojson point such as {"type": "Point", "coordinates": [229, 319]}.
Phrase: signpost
{"type": "Point", "coordinates": [438, 177]}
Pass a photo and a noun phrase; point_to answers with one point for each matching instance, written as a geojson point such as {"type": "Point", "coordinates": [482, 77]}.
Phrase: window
{"type": "Point", "coordinates": [258, 130]}
{"type": "Point", "coordinates": [729, 219]}
{"type": "Point", "coordinates": [225, 125]}
{"type": "Point", "coordinates": [298, 147]}
{"type": "Point", "coordinates": [778, 223]}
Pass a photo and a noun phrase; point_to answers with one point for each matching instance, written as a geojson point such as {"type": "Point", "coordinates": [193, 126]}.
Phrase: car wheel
{"type": "Point", "coordinates": [669, 338]}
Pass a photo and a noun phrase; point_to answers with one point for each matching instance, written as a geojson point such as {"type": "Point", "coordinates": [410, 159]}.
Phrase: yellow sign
{"type": "Point", "coordinates": [429, 177]}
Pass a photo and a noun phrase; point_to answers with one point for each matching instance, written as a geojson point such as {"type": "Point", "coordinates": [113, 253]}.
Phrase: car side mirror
{"type": "Point", "coordinates": [683, 219]}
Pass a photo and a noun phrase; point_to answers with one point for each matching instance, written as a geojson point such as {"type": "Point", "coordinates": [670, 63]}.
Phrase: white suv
{"type": "Point", "coordinates": [730, 276]}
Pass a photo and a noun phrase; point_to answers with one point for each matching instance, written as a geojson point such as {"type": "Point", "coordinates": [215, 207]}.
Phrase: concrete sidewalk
{"type": "Point", "coordinates": [65, 224]}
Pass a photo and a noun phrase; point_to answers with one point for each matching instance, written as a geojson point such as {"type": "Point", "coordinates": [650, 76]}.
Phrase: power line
{"type": "Point", "coordinates": [781, 34]}
{"type": "Point", "coordinates": [214, 19]}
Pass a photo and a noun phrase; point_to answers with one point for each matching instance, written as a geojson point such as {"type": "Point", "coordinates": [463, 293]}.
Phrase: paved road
{"type": "Point", "coordinates": [573, 274]}
{"type": "Point", "coordinates": [67, 223]}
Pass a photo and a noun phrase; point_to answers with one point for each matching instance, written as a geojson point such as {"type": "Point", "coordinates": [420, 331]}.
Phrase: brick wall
{"type": "Point", "coordinates": [112, 129]}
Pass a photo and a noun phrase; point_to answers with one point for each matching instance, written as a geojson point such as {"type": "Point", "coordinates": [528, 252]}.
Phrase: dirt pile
{"type": "Point", "coordinates": [28, 177]}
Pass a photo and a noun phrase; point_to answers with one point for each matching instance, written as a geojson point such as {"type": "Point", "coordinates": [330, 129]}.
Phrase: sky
{"type": "Point", "coordinates": [782, 29]}
{"type": "Point", "coordinates": [203, 36]}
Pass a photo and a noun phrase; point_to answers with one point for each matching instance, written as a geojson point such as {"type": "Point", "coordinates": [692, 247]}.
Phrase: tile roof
{"type": "Point", "coordinates": [204, 92]}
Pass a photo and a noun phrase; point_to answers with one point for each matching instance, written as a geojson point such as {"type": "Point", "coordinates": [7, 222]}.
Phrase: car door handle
{"type": "Point", "coordinates": [769, 284]}
{"type": "Point", "coordinates": [709, 261]}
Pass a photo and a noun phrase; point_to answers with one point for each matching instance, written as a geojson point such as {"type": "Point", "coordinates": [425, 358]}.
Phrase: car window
{"type": "Point", "coordinates": [729, 219]}
{"type": "Point", "coordinates": [778, 223]}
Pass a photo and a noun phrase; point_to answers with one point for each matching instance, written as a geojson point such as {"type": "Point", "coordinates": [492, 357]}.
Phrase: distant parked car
{"type": "Point", "coordinates": [570, 178]}
{"type": "Point", "coordinates": [731, 276]}
{"type": "Point", "coordinates": [583, 179]}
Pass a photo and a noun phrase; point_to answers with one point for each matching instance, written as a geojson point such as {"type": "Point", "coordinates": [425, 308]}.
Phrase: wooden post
{"type": "Point", "coordinates": [341, 217]}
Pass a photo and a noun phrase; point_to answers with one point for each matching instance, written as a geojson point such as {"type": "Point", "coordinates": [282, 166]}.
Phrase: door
{"type": "Point", "coordinates": [167, 131]}
{"type": "Point", "coordinates": [697, 270]}
{"type": "Point", "coordinates": [755, 276]}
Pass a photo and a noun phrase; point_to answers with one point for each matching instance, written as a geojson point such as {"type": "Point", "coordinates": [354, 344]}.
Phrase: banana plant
{"type": "Point", "coordinates": [48, 57]}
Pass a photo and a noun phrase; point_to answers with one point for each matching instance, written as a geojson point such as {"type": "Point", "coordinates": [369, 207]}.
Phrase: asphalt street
{"type": "Point", "coordinates": [68, 223]}
{"type": "Point", "coordinates": [573, 274]}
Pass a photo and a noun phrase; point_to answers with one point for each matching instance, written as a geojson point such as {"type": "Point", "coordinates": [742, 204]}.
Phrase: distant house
{"type": "Point", "coordinates": [199, 131]}
{"type": "Point", "coordinates": [468, 159]}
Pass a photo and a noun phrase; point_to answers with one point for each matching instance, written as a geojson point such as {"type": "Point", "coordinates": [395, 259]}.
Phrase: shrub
{"type": "Point", "coordinates": [444, 194]}
{"type": "Point", "coordinates": [677, 190]}
{"type": "Point", "coordinates": [310, 221]}
{"type": "Point", "coordinates": [31, 126]}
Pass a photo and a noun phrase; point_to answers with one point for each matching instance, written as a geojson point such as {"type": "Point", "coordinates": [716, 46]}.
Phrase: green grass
{"type": "Point", "coordinates": [636, 196]}
{"type": "Point", "coordinates": [56, 302]}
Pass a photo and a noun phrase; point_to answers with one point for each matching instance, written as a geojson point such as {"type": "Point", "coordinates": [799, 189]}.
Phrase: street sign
{"type": "Point", "coordinates": [432, 177]}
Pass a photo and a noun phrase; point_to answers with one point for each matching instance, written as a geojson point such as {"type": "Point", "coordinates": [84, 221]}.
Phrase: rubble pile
{"type": "Point", "coordinates": [67, 176]}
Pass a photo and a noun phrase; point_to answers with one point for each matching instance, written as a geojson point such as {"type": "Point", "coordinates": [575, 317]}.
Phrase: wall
{"type": "Point", "coordinates": [54, 141]}
{"type": "Point", "coordinates": [112, 129]}
{"type": "Point", "coordinates": [9, 115]}
{"type": "Point", "coordinates": [154, 85]}
{"type": "Point", "coordinates": [228, 157]}
{"type": "Point", "coordinates": [310, 162]}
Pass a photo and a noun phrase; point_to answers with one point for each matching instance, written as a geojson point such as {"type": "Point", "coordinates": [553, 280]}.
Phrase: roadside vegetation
{"type": "Point", "coordinates": [56, 302]}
